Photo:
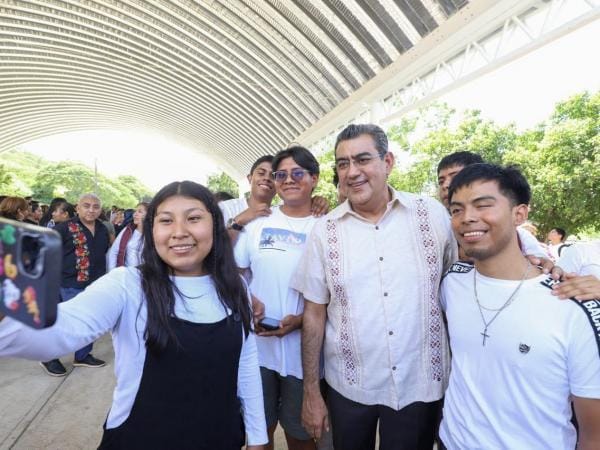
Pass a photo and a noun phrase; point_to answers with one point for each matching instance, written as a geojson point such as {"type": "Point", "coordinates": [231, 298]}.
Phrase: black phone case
{"type": "Point", "coordinates": [30, 271]}
{"type": "Point", "coordinates": [269, 326]}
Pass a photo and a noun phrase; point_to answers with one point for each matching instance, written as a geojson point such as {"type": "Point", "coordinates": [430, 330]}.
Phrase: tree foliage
{"type": "Point", "coordinates": [223, 183]}
{"type": "Point", "coordinates": [5, 178]}
{"type": "Point", "coordinates": [562, 164]}
{"type": "Point", "coordinates": [326, 188]}
{"type": "Point", "coordinates": [44, 180]}
{"type": "Point", "coordinates": [560, 157]}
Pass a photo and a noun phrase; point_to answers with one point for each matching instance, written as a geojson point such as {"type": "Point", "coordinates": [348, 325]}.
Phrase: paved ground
{"type": "Point", "coordinates": [42, 412]}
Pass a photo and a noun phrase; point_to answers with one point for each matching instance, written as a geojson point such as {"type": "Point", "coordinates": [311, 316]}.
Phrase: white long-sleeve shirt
{"type": "Point", "coordinates": [132, 255]}
{"type": "Point", "coordinates": [112, 303]}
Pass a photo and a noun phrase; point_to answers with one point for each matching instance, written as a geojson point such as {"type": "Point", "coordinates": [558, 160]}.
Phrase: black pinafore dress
{"type": "Point", "coordinates": [187, 397]}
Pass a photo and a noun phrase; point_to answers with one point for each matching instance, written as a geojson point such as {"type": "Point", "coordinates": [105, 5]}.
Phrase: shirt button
{"type": "Point", "coordinates": [394, 368]}
{"type": "Point", "coordinates": [376, 227]}
{"type": "Point", "coordinates": [381, 258]}
{"type": "Point", "coordinates": [385, 294]}
{"type": "Point", "coordinates": [390, 333]}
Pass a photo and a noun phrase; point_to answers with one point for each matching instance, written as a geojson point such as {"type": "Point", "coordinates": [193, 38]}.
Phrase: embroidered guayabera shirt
{"type": "Point", "coordinates": [97, 244]}
{"type": "Point", "coordinates": [385, 339]}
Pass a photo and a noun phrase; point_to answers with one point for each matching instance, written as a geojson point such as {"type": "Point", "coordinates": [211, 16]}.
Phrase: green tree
{"type": "Point", "coordinates": [473, 133]}
{"type": "Point", "coordinates": [223, 182]}
{"type": "Point", "coordinates": [562, 162]}
{"type": "Point", "coordinates": [135, 187]}
{"type": "Point", "coordinates": [71, 180]}
{"type": "Point", "coordinates": [5, 178]}
{"type": "Point", "coordinates": [326, 188]}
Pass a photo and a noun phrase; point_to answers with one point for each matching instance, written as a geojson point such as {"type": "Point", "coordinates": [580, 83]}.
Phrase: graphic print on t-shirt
{"type": "Point", "coordinates": [280, 239]}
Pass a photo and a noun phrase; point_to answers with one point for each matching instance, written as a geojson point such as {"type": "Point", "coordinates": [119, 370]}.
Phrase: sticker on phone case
{"type": "Point", "coordinates": [11, 294]}
{"type": "Point", "coordinates": [10, 269]}
{"type": "Point", "coordinates": [30, 300]}
{"type": "Point", "coordinates": [7, 235]}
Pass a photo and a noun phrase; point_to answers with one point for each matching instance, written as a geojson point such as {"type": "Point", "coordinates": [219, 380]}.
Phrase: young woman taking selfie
{"type": "Point", "coordinates": [185, 357]}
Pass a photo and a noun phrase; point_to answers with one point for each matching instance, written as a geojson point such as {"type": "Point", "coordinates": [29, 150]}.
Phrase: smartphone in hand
{"type": "Point", "coordinates": [269, 324]}
{"type": "Point", "coordinates": [30, 272]}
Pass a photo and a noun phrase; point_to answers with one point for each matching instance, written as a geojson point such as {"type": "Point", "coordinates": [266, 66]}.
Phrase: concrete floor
{"type": "Point", "coordinates": [38, 411]}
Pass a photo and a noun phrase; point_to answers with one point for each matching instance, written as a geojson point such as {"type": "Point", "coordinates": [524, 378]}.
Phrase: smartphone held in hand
{"type": "Point", "coordinates": [269, 324]}
{"type": "Point", "coordinates": [30, 271]}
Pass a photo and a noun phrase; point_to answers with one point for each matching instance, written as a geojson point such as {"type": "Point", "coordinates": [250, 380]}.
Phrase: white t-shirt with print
{"type": "Point", "coordinates": [514, 392]}
{"type": "Point", "coordinates": [271, 247]}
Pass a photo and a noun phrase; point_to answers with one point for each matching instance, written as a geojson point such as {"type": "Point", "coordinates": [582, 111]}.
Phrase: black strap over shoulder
{"type": "Point", "coordinates": [591, 309]}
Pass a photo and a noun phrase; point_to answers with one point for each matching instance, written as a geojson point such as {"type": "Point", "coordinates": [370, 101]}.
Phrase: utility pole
{"type": "Point", "coordinates": [96, 176]}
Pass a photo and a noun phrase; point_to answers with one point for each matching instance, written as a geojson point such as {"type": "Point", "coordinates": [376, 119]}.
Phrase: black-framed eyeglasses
{"type": "Point", "coordinates": [279, 176]}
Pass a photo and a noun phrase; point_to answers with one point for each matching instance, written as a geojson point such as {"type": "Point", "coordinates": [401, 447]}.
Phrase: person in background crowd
{"type": "Point", "coordinates": [113, 211]}
{"type": "Point", "coordinates": [46, 220]}
{"type": "Point", "coordinates": [518, 356]}
{"type": "Point", "coordinates": [126, 250]}
{"type": "Point", "coordinates": [34, 214]}
{"type": "Point", "coordinates": [186, 367]}
{"type": "Point", "coordinates": [119, 221]}
{"type": "Point", "coordinates": [530, 226]}
{"type": "Point", "coordinates": [556, 240]}
{"type": "Point", "coordinates": [14, 208]}
{"type": "Point", "coordinates": [109, 226]}
{"type": "Point", "coordinates": [85, 241]}
{"type": "Point", "coordinates": [221, 196]}
{"type": "Point", "coordinates": [62, 212]}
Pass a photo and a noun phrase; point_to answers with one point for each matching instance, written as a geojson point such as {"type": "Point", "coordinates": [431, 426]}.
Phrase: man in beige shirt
{"type": "Point", "coordinates": [370, 276]}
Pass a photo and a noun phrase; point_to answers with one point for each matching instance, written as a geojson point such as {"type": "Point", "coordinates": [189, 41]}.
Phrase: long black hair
{"type": "Point", "coordinates": [219, 264]}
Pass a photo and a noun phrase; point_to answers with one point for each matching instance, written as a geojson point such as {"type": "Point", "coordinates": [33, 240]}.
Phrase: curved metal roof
{"type": "Point", "coordinates": [233, 78]}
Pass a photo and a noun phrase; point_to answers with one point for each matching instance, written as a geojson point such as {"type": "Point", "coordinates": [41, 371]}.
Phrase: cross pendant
{"type": "Point", "coordinates": [485, 335]}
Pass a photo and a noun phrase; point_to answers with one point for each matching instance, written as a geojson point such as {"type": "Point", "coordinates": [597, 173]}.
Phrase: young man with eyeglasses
{"type": "Point", "coordinates": [370, 277]}
{"type": "Point", "coordinates": [85, 241]}
{"type": "Point", "coordinates": [239, 212]}
{"type": "Point", "coordinates": [271, 248]}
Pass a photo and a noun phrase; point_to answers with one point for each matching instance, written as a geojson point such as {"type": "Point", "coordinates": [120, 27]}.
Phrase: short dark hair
{"type": "Point", "coordinates": [66, 207]}
{"type": "Point", "coordinates": [355, 130]}
{"type": "Point", "coordinates": [511, 181]}
{"type": "Point", "coordinates": [221, 196]}
{"type": "Point", "coordinates": [259, 161]}
{"type": "Point", "coordinates": [336, 177]}
{"type": "Point", "coordinates": [303, 157]}
{"type": "Point", "coordinates": [463, 159]}
{"type": "Point", "coordinates": [561, 231]}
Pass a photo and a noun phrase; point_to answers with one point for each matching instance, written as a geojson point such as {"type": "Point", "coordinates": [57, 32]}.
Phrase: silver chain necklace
{"type": "Point", "coordinates": [506, 304]}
